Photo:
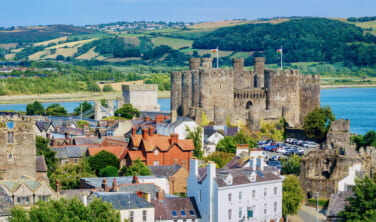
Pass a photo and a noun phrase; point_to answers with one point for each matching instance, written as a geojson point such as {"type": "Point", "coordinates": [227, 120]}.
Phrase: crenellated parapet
{"type": "Point", "coordinates": [255, 93]}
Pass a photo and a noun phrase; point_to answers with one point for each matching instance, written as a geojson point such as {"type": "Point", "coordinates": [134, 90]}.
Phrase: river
{"type": "Point", "coordinates": [356, 104]}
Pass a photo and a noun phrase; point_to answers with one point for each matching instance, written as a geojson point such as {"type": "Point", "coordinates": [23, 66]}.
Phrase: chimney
{"type": "Point", "coordinates": [160, 195]}
{"type": "Point", "coordinates": [115, 188]}
{"type": "Point", "coordinates": [184, 164]}
{"type": "Point", "coordinates": [241, 148]}
{"type": "Point", "coordinates": [174, 138]}
{"type": "Point", "coordinates": [86, 129]}
{"type": "Point", "coordinates": [145, 134]}
{"type": "Point", "coordinates": [252, 162]}
{"type": "Point", "coordinates": [58, 187]}
{"type": "Point", "coordinates": [146, 118]}
{"type": "Point", "coordinates": [134, 131]}
{"type": "Point", "coordinates": [147, 197]}
{"type": "Point", "coordinates": [151, 131]}
{"type": "Point", "coordinates": [159, 119]}
{"type": "Point", "coordinates": [260, 162]}
{"type": "Point", "coordinates": [84, 199]}
{"type": "Point", "coordinates": [211, 170]}
{"type": "Point", "coordinates": [104, 185]}
{"type": "Point", "coordinates": [66, 136]}
{"type": "Point", "coordinates": [135, 179]}
{"type": "Point", "coordinates": [174, 116]}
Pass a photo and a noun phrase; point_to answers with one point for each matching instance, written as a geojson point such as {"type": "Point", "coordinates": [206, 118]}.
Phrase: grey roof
{"type": "Point", "coordinates": [5, 203]}
{"type": "Point", "coordinates": [123, 200]}
{"type": "Point", "coordinates": [152, 189]}
{"type": "Point", "coordinates": [208, 131]}
{"type": "Point", "coordinates": [85, 140]}
{"type": "Point", "coordinates": [43, 125]}
{"type": "Point", "coordinates": [238, 161]}
{"type": "Point", "coordinates": [70, 194]}
{"type": "Point", "coordinates": [164, 171]}
{"type": "Point", "coordinates": [163, 209]}
{"type": "Point", "coordinates": [69, 151]}
{"type": "Point", "coordinates": [179, 120]}
{"type": "Point", "coordinates": [97, 181]}
{"type": "Point", "coordinates": [40, 164]}
{"type": "Point", "coordinates": [338, 202]}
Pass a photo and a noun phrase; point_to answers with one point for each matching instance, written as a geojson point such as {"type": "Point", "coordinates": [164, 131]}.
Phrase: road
{"type": "Point", "coordinates": [308, 214]}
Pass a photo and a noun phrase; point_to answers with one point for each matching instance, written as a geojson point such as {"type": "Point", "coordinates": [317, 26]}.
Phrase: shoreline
{"type": "Point", "coordinates": [67, 97]}
{"type": "Point", "coordinates": [92, 96]}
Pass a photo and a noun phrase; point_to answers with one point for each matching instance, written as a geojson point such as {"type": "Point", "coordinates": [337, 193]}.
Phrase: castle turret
{"type": "Point", "coordinates": [176, 91]}
{"type": "Point", "coordinates": [206, 63]}
{"type": "Point", "coordinates": [259, 71]}
{"type": "Point", "coordinates": [194, 63]}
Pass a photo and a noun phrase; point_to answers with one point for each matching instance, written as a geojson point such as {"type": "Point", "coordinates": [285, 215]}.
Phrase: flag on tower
{"type": "Point", "coordinates": [279, 50]}
{"type": "Point", "coordinates": [214, 50]}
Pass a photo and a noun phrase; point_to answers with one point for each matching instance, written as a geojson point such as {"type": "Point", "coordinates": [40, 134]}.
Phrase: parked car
{"type": "Point", "coordinates": [275, 163]}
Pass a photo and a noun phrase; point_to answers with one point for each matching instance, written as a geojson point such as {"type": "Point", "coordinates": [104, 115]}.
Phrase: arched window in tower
{"type": "Point", "coordinates": [10, 156]}
{"type": "Point", "coordinates": [248, 105]}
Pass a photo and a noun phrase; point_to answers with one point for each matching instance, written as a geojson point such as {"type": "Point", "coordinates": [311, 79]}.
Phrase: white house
{"type": "Point", "coordinates": [240, 194]}
{"type": "Point", "coordinates": [350, 179]}
{"type": "Point", "coordinates": [211, 139]}
{"type": "Point", "coordinates": [130, 205]}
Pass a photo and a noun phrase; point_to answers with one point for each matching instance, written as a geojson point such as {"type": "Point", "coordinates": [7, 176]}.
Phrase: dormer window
{"type": "Point", "coordinates": [156, 152]}
{"type": "Point", "coordinates": [252, 177]}
{"type": "Point", "coordinates": [228, 180]}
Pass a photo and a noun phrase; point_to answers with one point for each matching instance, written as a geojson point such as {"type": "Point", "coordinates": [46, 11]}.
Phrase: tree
{"type": "Point", "coordinates": [317, 123]}
{"type": "Point", "coordinates": [292, 195]}
{"type": "Point", "coordinates": [229, 143]}
{"type": "Point", "coordinates": [55, 110]}
{"type": "Point", "coordinates": [108, 171]}
{"type": "Point", "coordinates": [69, 175]}
{"type": "Point", "coordinates": [127, 111]}
{"type": "Point", "coordinates": [86, 106]}
{"type": "Point", "coordinates": [81, 123]}
{"type": "Point", "coordinates": [362, 206]}
{"type": "Point", "coordinates": [107, 88]}
{"type": "Point", "coordinates": [48, 154]}
{"type": "Point", "coordinates": [220, 158]}
{"type": "Point", "coordinates": [137, 168]}
{"type": "Point", "coordinates": [369, 139]}
{"type": "Point", "coordinates": [60, 57]}
{"type": "Point", "coordinates": [103, 159]}
{"type": "Point", "coordinates": [291, 165]}
{"type": "Point", "coordinates": [63, 210]}
{"type": "Point", "coordinates": [196, 136]}
{"type": "Point", "coordinates": [34, 109]}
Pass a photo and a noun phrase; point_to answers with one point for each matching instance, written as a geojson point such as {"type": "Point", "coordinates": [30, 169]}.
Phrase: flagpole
{"type": "Point", "coordinates": [281, 57]}
{"type": "Point", "coordinates": [217, 57]}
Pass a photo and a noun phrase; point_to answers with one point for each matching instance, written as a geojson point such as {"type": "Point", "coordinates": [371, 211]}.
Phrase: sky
{"type": "Point", "coordinates": [84, 12]}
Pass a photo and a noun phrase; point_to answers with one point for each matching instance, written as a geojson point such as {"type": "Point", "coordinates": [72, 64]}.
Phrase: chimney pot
{"type": "Point", "coordinates": [160, 195]}
{"type": "Point", "coordinates": [145, 133]}
{"type": "Point", "coordinates": [58, 187]}
{"type": "Point", "coordinates": [151, 131]}
{"type": "Point", "coordinates": [133, 131]}
{"type": "Point", "coordinates": [115, 185]}
{"type": "Point", "coordinates": [174, 138]}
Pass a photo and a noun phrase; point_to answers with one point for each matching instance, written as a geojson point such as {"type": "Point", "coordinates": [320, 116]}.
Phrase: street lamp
{"type": "Point", "coordinates": [317, 206]}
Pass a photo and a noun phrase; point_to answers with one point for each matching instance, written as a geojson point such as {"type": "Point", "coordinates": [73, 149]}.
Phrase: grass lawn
{"type": "Point", "coordinates": [174, 43]}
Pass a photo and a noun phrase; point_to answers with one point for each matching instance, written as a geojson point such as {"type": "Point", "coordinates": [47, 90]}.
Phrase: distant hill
{"type": "Point", "coordinates": [303, 40]}
{"type": "Point", "coordinates": [25, 35]}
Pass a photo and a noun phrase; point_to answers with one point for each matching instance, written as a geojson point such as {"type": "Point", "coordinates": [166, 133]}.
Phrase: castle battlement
{"type": "Point", "coordinates": [140, 87]}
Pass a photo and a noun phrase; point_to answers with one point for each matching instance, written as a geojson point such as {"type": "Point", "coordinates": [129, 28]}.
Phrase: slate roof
{"type": "Point", "coordinates": [71, 131]}
{"type": "Point", "coordinates": [85, 140]}
{"type": "Point", "coordinates": [338, 202]}
{"type": "Point", "coordinates": [40, 164]}
{"type": "Point", "coordinates": [5, 203]}
{"type": "Point", "coordinates": [163, 209]}
{"type": "Point", "coordinates": [12, 185]}
{"type": "Point", "coordinates": [97, 181]}
{"type": "Point", "coordinates": [118, 151]}
{"type": "Point", "coordinates": [123, 200]}
{"type": "Point", "coordinates": [179, 120]}
{"type": "Point", "coordinates": [238, 161]}
{"type": "Point", "coordinates": [69, 151]}
{"type": "Point", "coordinates": [113, 142]}
{"type": "Point", "coordinates": [143, 187]}
{"type": "Point", "coordinates": [70, 194]}
{"type": "Point", "coordinates": [43, 125]}
{"type": "Point", "coordinates": [164, 171]}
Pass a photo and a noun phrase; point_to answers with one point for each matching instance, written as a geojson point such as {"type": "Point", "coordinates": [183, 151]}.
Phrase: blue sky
{"type": "Point", "coordinates": [81, 12]}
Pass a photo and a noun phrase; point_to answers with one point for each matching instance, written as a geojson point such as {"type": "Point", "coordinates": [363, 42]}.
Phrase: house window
{"type": "Point", "coordinates": [253, 194]}
{"type": "Point", "coordinates": [275, 190]}
{"type": "Point", "coordinates": [156, 163]}
{"type": "Point", "coordinates": [156, 152]}
{"type": "Point", "coordinates": [240, 212]}
{"type": "Point", "coordinates": [265, 191]}
{"type": "Point", "coordinates": [265, 209]}
{"type": "Point", "coordinates": [240, 195]}
{"type": "Point", "coordinates": [144, 215]}
{"type": "Point", "coordinates": [229, 214]}
{"type": "Point", "coordinates": [10, 137]}
{"type": "Point", "coordinates": [275, 206]}
{"type": "Point", "coordinates": [75, 161]}
{"type": "Point", "coordinates": [249, 212]}
{"type": "Point", "coordinates": [229, 197]}
{"type": "Point", "coordinates": [10, 156]}
{"type": "Point", "coordinates": [44, 198]}
{"type": "Point", "coordinates": [23, 200]}
{"type": "Point", "coordinates": [131, 216]}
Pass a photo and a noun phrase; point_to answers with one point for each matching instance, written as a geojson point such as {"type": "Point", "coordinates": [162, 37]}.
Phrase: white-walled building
{"type": "Point", "coordinates": [350, 179]}
{"type": "Point", "coordinates": [241, 194]}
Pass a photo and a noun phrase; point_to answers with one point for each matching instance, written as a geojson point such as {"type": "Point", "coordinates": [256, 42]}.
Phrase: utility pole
{"type": "Point", "coordinates": [317, 206]}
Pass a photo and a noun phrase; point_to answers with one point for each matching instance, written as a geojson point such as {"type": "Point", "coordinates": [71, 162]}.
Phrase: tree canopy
{"type": "Point", "coordinates": [86, 106]}
{"type": "Point", "coordinates": [108, 171]}
{"type": "Point", "coordinates": [369, 139]}
{"type": "Point", "coordinates": [49, 155]}
{"type": "Point", "coordinates": [291, 165]}
{"type": "Point", "coordinates": [228, 144]}
{"type": "Point", "coordinates": [317, 123]}
{"type": "Point", "coordinates": [138, 168]}
{"type": "Point", "coordinates": [55, 110]}
{"type": "Point", "coordinates": [362, 206]}
{"type": "Point", "coordinates": [292, 195]}
{"type": "Point", "coordinates": [103, 159]}
{"type": "Point", "coordinates": [127, 111]}
{"type": "Point", "coordinates": [34, 109]}
{"type": "Point", "coordinates": [63, 210]}
{"type": "Point", "coordinates": [196, 136]}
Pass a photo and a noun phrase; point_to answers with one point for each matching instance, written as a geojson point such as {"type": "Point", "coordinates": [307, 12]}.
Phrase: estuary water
{"type": "Point", "coordinates": [356, 104]}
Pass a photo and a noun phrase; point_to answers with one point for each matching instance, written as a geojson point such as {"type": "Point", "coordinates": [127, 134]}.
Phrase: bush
{"type": "Point", "coordinates": [107, 88]}
{"type": "Point", "coordinates": [93, 87]}
{"type": "Point", "coordinates": [108, 171]}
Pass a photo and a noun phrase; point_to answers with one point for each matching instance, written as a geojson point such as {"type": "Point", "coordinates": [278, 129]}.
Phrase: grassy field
{"type": "Point", "coordinates": [62, 39]}
{"type": "Point", "coordinates": [174, 43]}
{"type": "Point", "coordinates": [219, 24]}
{"type": "Point", "coordinates": [88, 55]}
{"type": "Point", "coordinates": [8, 45]}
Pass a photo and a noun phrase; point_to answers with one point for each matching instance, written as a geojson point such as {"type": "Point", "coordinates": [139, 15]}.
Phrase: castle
{"type": "Point", "coordinates": [242, 96]}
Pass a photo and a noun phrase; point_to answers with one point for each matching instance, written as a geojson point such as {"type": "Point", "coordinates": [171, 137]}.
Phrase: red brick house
{"type": "Point", "coordinates": [157, 150]}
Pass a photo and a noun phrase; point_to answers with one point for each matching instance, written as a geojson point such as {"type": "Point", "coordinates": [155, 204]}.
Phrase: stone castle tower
{"type": "Point", "coordinates": [17, 147]}
{"type": "Point", "coordinates": [243, 96]}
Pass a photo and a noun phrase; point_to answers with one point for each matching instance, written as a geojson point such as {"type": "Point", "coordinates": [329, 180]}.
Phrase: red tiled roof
{"type": "Point", "coordinates": [135, 154]}
{"type": "Point", "coordinates": [136, 140]}
{"type": "Point", "coordinates": [164, 143]}
{"type": "Point", "coordinates": [112, 142]}
{"type": "Point", "coordinates": [118, 151]}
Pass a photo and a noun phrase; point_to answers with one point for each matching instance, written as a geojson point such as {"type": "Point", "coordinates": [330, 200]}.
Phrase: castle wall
{"type": "Point", "coordinates": [283, 91]}
{"type": "Point", "coordinates": [186, 92]}
{"type": "Point", "coordinates": [242, 79]}
{"type": "Point", "coordinates": [17, 157]}
{"type": "Point", "coordinates": [176, 91]}
{"type": "Point", "coordinates": [309, 94]}
{"type": "Point", "coordinates": [248, 100]}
